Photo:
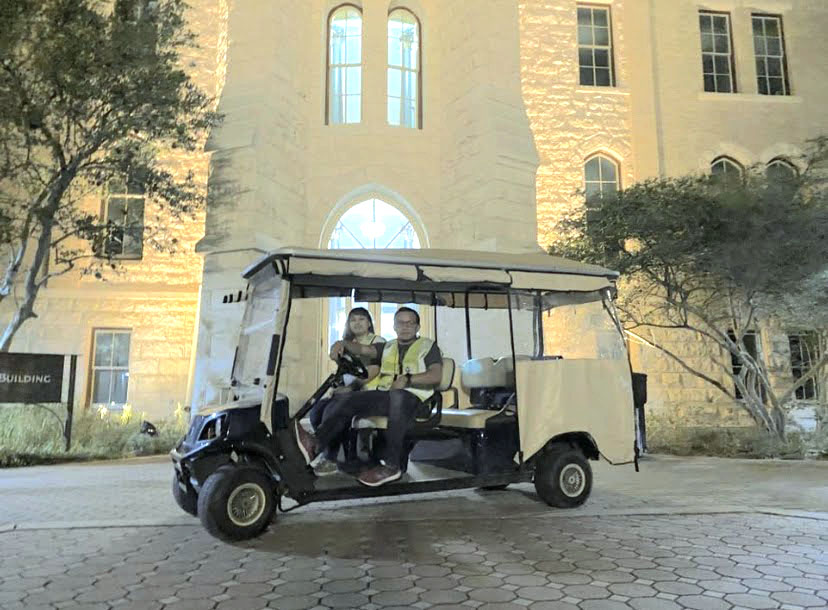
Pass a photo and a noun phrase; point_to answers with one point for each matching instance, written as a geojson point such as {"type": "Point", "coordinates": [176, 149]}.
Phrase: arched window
{"type": "Point", "coordinates": [404, 71]}
{"type": "Point", "coordinates": [600, 178]}
{"type": "Point", "coordinates": [344, 98]}
{"type": "Point", "coordinates": [781, 170]}
{"type": "Point", "coordinates": [370, 224]}
{"type": "Point", "coordinates": [726, 169]}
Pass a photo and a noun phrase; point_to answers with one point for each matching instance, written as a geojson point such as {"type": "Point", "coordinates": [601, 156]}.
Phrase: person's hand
{"type": "Point", "coordinates": [337, 349]}
{"type": "Point", "coordinates": [399, 382]}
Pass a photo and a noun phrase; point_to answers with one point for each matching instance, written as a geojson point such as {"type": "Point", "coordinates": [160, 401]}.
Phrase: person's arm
{"type": "Point", "coordinates": [373, 371]}
{"type": "Point", "coordinates": [357, 349]}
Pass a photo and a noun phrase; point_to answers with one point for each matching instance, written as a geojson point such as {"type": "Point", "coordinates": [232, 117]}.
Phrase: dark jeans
{"type": "Point", "coordinates": [316, 414]}
{"type": "Point", "coordinates": [399, 406]}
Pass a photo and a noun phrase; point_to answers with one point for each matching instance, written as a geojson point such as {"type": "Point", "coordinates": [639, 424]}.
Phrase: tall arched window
{"type": "Point", "coordinates": [344, 99]}
{"type": "Point", "coordinates": [727, 169]}
{"type": "Point", "coordinates": [404, 71]}
{"type": "Point", "coordinates": [600, 178]}
{"type": "Point", "coordinates": [781, 170]}
{"type": "Point", "coordinates": [372, 223]}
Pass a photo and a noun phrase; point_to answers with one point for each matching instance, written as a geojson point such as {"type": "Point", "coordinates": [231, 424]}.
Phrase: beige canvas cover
{"type": "Point", "coordinates": [563, 283]}
{"type": "Point", "coordinates": [359, 269]}
{"type": "Point", "coordinates": [579, 395]}
{"type": "Point", "coordinates": [465, 274]}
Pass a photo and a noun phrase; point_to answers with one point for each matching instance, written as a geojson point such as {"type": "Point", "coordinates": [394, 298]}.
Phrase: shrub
{"type": "Point", "coordinates": [29, 435]}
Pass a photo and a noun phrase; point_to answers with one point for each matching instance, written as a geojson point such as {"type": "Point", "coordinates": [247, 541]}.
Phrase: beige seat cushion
{"type": "Point", "coordinates": [466, 418]}
{"type": "Point", "coordinates": [375, 422]}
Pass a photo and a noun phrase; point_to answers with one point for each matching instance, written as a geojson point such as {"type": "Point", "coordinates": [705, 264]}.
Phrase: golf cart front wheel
{"type": "Point", "coordinates": [563, 477]}
{"type": "Point", "coordinates": [236, 502]}
{"type": "Point", "coordinates": [185, 496]}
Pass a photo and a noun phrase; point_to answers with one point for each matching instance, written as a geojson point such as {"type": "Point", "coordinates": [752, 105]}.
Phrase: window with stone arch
{"type": "Point", "coordinates": [601, 178]}
{"type": "Point", "coordinates": [404, 69]}
{"type": "Point", "coordinates": [371, 223]}
{"type": "Point", "coordinates": [727, 169]}
{"type": "Point", "coordinates": [781, 170]}
{"type": "Point", "coordinates": [344, 59]}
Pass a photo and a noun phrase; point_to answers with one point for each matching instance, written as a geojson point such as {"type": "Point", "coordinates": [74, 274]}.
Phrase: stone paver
{"type": "Point", "coordinates": [639, 544]}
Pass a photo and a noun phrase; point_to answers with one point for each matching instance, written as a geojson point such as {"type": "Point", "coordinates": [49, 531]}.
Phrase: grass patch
{"type": "Point", "coordinates": [743, 442]}
{"type": "Point", "coordinates": [29, 435]}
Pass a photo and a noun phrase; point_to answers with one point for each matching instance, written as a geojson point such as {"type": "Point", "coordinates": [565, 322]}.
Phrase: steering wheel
{"type": "Point", "coordinates": [348, 363]}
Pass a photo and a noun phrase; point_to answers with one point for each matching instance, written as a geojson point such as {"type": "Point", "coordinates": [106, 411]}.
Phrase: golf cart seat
{"type": "Point", "coordinates": [490, 384]}
{"type": "Point", "coordinates": [435, 405]}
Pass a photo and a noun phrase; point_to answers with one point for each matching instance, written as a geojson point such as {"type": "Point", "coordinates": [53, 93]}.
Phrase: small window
{"type": "Point", "coordinates": [717, 53]}
{"type": "Point", "coordinates": [344, 98]}
{"type": "Point", "coordinates": [727, 170]}
{"type": "Point", "coordinates": [771, 64]}
{"type": "Point", "coordinates": [404, 70]}
{"type": "Point", "coordinates": [751, 341]}
{"type": "Point", "coordinates": [600, 178]}
{"type": "Point", "coordinates": [781, 171]}
{"type": "Point", "coordinates": [805, 352]}
{"type": "Point", "coordinates": [124, 216]}
{"type": "Point", "coordinates": [110, 367]}
{"type": "Point", "coordinates": [595, 46]}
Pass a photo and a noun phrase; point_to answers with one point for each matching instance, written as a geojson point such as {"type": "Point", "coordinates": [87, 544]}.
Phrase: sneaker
{"type": "Point", "coordinates": [323, 467]}
{"type": "Point", "coordinates": [379, 476]}
{"type": "Point", "coordinates": [305, 441]}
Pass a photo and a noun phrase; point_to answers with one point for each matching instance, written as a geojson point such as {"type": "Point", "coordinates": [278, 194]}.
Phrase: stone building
{"type": "Point", "coordinates": [428, 123]}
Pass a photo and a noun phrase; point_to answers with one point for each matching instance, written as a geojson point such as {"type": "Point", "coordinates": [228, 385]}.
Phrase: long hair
{"type": "Point", "coordinates": [348, 334]}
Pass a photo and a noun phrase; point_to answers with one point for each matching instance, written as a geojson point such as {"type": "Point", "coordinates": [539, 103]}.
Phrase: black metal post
{"type": "Point", "coordinates": [70, 402]}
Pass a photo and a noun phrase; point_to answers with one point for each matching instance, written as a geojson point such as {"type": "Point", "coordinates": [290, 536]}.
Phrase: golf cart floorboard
{"type": "Point", "coordinates": [420, 478]}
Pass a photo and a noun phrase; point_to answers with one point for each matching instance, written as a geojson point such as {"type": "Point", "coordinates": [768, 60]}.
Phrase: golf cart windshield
{"type": "Point", "coordinates": [258, 328]}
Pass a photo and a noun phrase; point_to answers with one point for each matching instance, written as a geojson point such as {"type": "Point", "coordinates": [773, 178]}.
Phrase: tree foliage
{"type": "Point", "coordinates": [90, 92]}
{"type": "Point", "coordinates": [716, 259]}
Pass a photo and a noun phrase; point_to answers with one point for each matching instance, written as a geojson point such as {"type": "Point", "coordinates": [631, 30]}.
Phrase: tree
{"type": "Point", "coordinates": [715, 258]}
{"type": "Point", "coordinates": [91, 93]}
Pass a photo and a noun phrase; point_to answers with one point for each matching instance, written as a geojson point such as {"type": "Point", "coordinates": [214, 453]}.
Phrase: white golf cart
{"type": "Point", "coordinates": [508, 413]}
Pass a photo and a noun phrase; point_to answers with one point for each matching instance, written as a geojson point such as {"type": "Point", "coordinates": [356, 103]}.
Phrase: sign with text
{"type": "Point", "coordinates": [30, 378]}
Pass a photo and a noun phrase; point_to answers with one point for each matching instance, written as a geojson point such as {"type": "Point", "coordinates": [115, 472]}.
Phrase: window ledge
{"type": "Point", "coordinates": [623, 91]}
{"type": "Point", "coordinates": [706, 96]}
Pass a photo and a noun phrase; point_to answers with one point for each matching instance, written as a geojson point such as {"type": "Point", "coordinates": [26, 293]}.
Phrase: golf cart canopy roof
{"type": "Point", "coordinates": [430, 276]}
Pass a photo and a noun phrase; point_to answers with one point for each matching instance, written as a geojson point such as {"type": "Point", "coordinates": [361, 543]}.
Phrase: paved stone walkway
{"type": "Point", "coordinates": [702, 534]}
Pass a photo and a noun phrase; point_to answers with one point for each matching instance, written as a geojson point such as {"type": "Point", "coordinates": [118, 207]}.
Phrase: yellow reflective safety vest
{"type": "Point", "coordinates": [370, 339]}
{"type": "Point", "coordinates": [413, 362]}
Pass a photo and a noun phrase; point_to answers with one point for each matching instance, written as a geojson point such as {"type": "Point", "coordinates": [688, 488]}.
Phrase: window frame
{"type": "Point", "coordinates": [731, 161]}
{"type": "Point", "coordinates": [388, 66]}
{"type": "Point", "coordinates": [610, 48]}
{"type": "Point", "coordinates": [331, 13]}
{"type": "Point", "coordinates": [784, 58]}
{"type": "Point", "coordinates": [103, 250]}
{"type": "Point", "coordinates": [731, 52]}
{"type": "Point", "coordinates": [814, 381]}
{"type": "Point", "coordinates": [615, 163]}
{"type": "Point", "coordinates": [736, 365]}
{"type": "Point", "coordinates": [785, 162]}
{"type": "Point", "coordinates": [93, 368]}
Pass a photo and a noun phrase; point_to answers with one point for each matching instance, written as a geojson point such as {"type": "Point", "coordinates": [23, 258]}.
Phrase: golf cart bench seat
{"type": "Point", "coordinates": [489, 373]}
{"type": "Point", "coordinates": [470, 419]}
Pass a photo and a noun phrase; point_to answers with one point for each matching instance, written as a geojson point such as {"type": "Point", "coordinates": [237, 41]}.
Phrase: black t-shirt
{"type": "Point", "coordinates": [432, 357]}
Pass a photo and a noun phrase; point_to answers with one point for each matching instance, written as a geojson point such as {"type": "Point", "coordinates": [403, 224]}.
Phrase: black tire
{"type": "Point", "coordinates": [227, 484]}
{"type": "Point", "coordinates": [186, 500]}
{"type": "Point", "coordinates": [563, 477]}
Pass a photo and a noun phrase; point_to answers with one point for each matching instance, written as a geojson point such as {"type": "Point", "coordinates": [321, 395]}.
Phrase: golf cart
{"type": "Point", "coordinates": [510, 413]}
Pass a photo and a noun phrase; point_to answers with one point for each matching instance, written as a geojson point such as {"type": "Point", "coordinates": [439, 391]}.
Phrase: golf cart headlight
{"type": "Point", "coordinates": [214, 428]}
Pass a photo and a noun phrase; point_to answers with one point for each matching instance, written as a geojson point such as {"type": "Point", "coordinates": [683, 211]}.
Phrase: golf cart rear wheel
{"type": "Point", "coordinates": [187, 499]}
{"type": "Point", "coordinates": [236, 502]}
{"type": "Point", "coordinates": [563, 477]}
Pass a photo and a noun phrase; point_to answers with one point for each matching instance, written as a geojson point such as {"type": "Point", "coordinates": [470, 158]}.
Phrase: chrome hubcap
{"type": "Point", "coordinates": [246, 504]}
{"type": "Point", "coordinates": [572, 480]}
